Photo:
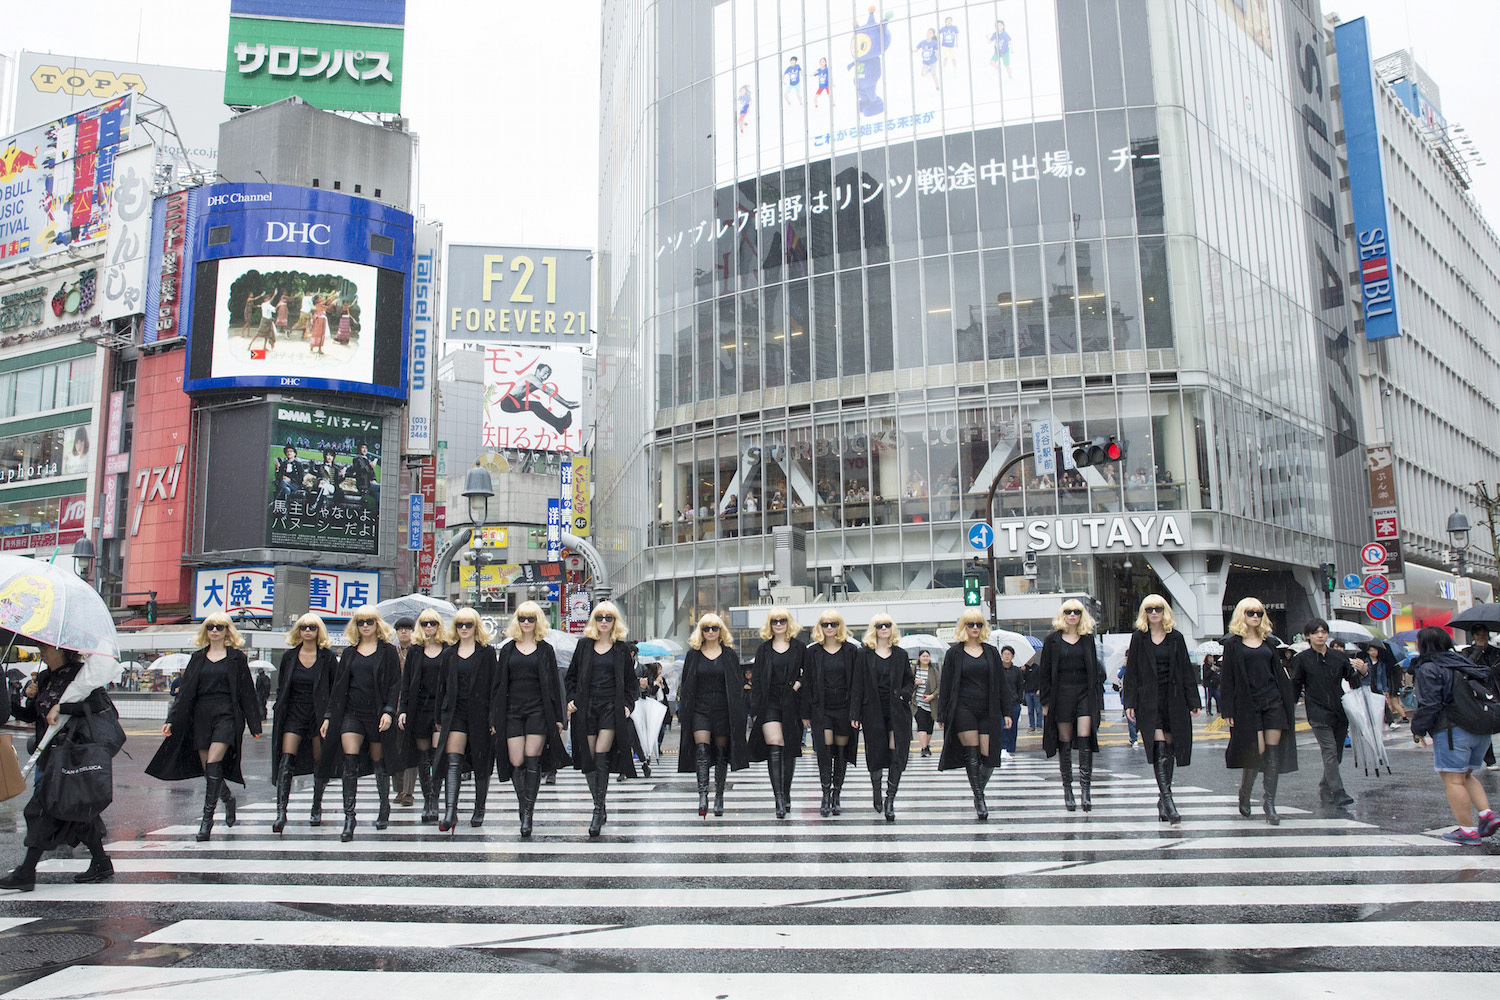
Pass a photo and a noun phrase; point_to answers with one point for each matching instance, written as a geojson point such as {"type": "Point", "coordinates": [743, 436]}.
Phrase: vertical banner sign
{"type": "Point", "coordinates": [171, 237]}
{"type": "Point", "coordinates": [554, 530]}
{"type": "Point", "coordinates": [1041, 445]}
{"type": "Point", "coordinates": [123, 290]}
{"type": "Point", "coordinates": [565, 493]}
{"type": "Point", "coordinates": [581, 497]}
{"type": "Point", "coordinates": [424, 341]}
{"type": "Point", "coordinates": [1380, 460]}
{"type": "Point", "coordinates": [1358, 90]}
{"type": "Point", "coordinates": [115, 428]}
{"type": "Point", "coordinates": [109, 500]}
{"type": "Point", "coordinates": [414, 524]}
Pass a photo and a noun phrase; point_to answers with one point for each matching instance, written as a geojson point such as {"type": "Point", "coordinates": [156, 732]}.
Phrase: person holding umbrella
{"type": "Point", "coordinates": [44, 706]}
{"type": "Point", "coordinates": [206, 725]}
{"type": "Point", "coordinates": [1260, 705]}
{"type": "Point", "coordinates": [306, 676]}
{"type": "Point", "coordinates": [361, 708]}
{"type": "Point", "coordinates": [1161, 696]}
{"type": "Point", "coordinates": [776, 702]}
{"type": "Point", "coordinates": [1318, 676]}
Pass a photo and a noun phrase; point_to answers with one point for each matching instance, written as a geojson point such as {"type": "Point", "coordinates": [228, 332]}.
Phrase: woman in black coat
{"type": "Point", "coordinates": [711, 704]}
{"type": "Point", "coordinates": [362, 710]}
{"type": "Point", "coordinates": [206, 724]}
{"type": "Point", "coordinates": [527, 709]}
{"type": "Point", "coordinates": [602, 688]}
{"type": "Point", "coordinates": [887, 681]}
{"type": "Point", "coordinates": [465, 684]}
{"type": "Point", "coordinates": [829, 673]}
{"type": "Point", "coordinates": [777, 700]}
{"type": "Point", "coordinates": [975, 706]}
{"type": "Point", "coordinates": [1072, 682]}
{"type": "Point", "coordinates": [1161, 696]}
{"type": "Point", "coordinates": [43, 706]}
{"type": "Point", "coordinates": [1258, 701]}
{"type": "Point", "coordinates": [305, 678]}
{"type": "Point", "coordinates": [417, 714]}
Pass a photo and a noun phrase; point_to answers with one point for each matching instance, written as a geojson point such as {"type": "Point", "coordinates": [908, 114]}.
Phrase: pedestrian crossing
{"type": "Point", "coordinates": [667, 904]}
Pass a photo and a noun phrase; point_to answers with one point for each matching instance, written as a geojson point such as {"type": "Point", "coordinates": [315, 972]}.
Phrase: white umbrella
{"type": "Point", "coordinates": [915, 642]}
{"type": "Point", "coordinates": [1366, 712]}
{"type": "Point", "coordinates": [169, 664]}
{"type": "Point", "coordinates": [1210, 647]}
{"type": "Point", "coordinates": [564, 643]}
{"type": "Point", "coordinates": [1016, 641]}
{"type": "Point", "coordinates": [412, 605]}
{"type": "Point", "coordinates": [1116, 645]}
{"type": "Point", "coordinates": [265, 665]}
{"type": "Point", "coordinates": [1349, 631]}
{"type": "Point", "coordinates": [647, 714]}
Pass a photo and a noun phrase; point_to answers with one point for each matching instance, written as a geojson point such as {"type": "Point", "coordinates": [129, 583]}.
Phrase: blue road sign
{"type": "Point", "coordinates": [1351, 581]}
{"type": "Point", "coordinates": [1379, 609]}
{"type": "Point", "coordinates": [981, 536]}
{"type": "Point", "coordinates": [1377, 586]}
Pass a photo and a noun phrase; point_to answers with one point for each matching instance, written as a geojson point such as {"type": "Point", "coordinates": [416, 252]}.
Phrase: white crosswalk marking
{"type": "Point", "coordinates": [1113, 902]}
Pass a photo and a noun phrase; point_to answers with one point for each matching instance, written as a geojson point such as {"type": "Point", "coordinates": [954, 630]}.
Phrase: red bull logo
{"type": "Point", "coordinates": [14, 160]}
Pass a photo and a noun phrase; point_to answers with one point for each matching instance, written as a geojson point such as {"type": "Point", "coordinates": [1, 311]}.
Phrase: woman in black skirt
{"type": "Point", "coordinates": [417, 713]}
{"type": "Point", "coordinates": [887, 710]}
{"type": "Point", "coordinates": [1072, 689]}
{"type": "Point", "coordinates": [602, 688]}
{"type": "Point", "coordinates": [466, 678]}
{"type": "Point", "coordinates": [829, 673]}
{"type": "Point", "coordinates": [776, 702]}
{"type": "Point", "coordinates": [1258, 701]}
{"type": "Point", "coordinates": [1161, 696]}
{"type": "Point", "coordinates": [711, 702]}
{"type": "Point", "coordinates": [206, 723]}
{"type": "Point", "coordinates": [526, 709]}
{"type": "Point", "coordinates": [362, 708]}
{"type": "Point", "coordinates": [924, 699]}
{"type": "Point", "coordinates": [975, 708]}
{"type": "Point", "coordinates": [305, 678]}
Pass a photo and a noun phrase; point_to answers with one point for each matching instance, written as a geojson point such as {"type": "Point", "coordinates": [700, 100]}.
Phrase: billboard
{"type": "Point", "coordinates": [41, 524]}
{"type": "Point", "coordinates": [56, 180]}
{"type": "Point", "coordinates": [422, 365]}
{"type": "Point", "coordinates": [296, 288]}
{"type": "Point", "coordinates": [50, 305]}
{"type": "Point", "coordinates": [794, 83]}
{"type": "Point", "coordinates": [129, 245]}
{"type": "Point", "coordinates": [332, 593]}
{"type": "Point", "coordinates": [1372, 230]}
{"type": "Point", "coordinates": [337, 57]}
{"type": "Point", "coordinates": [324, 480]}
{"type": "Point", "coordinates": [159, 502]}
{"type": "Point", "coordinates": [518, 295]}
{"type": "Point", "coordinates": [533, 399]}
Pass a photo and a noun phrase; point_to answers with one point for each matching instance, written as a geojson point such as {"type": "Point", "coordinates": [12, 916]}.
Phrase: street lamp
{"type": "Point", "coordinates": [83, 557]}
{"type": "Point", "coordinates": [478, 488]}
{"type": "Point", "coordinates": [1458, 535]}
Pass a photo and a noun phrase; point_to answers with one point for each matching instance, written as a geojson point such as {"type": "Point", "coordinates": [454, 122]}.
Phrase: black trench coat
{"type": "Point", "coordinates": [627, 688]}
{"type": "Point", "coordinates": [897, 684]}
{"type": "Point", "coordinates": [687, 692]}
{"type": "Point", "coordinates": [419, 669]}
{"type": "Point", "coordinates": [1139, 692]}
{"type": "Point", "coordinates": [1051, 657]}
{"type": "Point", "coordinates": [323, 670]}
{"type": "Point", "coordinates": [176, 758]}
{"type": "Point", "coordinates": [1234, 694]}
{"type": "Point", "coordinates": [479, 751]}
{"type": "Point", "coordinates": [44, 831]}
{"type": "Point", "coordinates": [554, 709]}
{"type": "Point", "coordinates": [387, 687]}
{"type": "Point", "coordinates": [761, 683]}
{"type": "Point", "coordinates": [812, 684]}
{"type": "Point", "coordinates": [955, 662]}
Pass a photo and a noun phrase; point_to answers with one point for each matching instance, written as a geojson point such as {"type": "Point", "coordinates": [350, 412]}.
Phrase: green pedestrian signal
{"type": "Point", "coordinates": [972, 591]}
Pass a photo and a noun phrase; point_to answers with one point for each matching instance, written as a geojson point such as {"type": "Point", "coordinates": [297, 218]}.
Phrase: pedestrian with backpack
{"type": "Point", "coordinates": [1458, 704]}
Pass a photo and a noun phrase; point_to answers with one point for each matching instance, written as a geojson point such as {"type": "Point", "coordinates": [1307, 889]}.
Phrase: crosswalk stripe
{"type": "Point", "coordinates": [10, 923]}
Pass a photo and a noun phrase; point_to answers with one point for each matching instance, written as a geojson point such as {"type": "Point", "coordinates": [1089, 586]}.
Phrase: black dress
{"type": "Point", "coordinates": [958, 713]}
{"type": "Point", "coordinates": [419, 691]}
{"type": "Point", "coordinates": [301, 702]}
{"type": "Point", "coordinates": [527, 698]}
{"type": "Point", "coordinates": [711, 707]}
{"type": "Point", "coordinates": [835, 677]}
{"type": "Point", "coordinates": [213, 710]}
{"type": "Point", "coordinates": [366, 703]}
{"type": "Point", "coordinates": [1268, 711]}
{"type": "Point", "coordinates": [603, 687]}
{"type": "Point", "coordinates": [1072, 680]}
{"type": "Point", "coordinates": [177, 756]}
{"type": "Point", "coordinates": [772, 698]}
{"type": "Point", "coordinates": [523, 696]}
{"type": "Point", "coordinates": [710, 689]}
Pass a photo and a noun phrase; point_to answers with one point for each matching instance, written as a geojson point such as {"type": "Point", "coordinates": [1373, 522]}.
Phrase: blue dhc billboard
{"type": "Point", "coordinates": [1357, 93]}
{"type": "Point", "coordinates": [296, 288]}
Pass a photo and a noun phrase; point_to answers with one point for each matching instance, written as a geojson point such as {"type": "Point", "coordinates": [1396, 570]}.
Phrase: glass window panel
{"type": "Point", "coordinates": [1146, 146]}
{"type": "Point", "coordinates": [999, 305]}
{"type": "Point", "coordinates": [1061, 297]}
{"type": "Point", "coordinates": [1022, 171]}
{"type": "Point", "coordinates": [1031, 303]}
{"type": "Point", "coordinates": [8, 394]}
{"type": "Point", "coordinates": [706, 351]}
{"type": "Point", "coordinates": [794, 222]}
{"type": "Point", "coordinates": [927, 189]}
{"type": "Point", "coordinates": [1156, 310]}
{"type": "Point", "coordinates": [939, 311]}
{"type": "Point", "coordinates": [968, 307]}
{"type": "Point", "coordinates": [774, 335]}
{"type": "Point", "coordinates": [726, 362]}
{"type": "Point", "coordinates": [963, 210]}
{"type": "Point", "coordinates": [28, 391]}
{"type": "Point", "coordinates": [1093, 296]}
{"type": "Point", "coordinates": [801, 492]}
{"type": "Point", "coordinates": [769, 236]}
{"type": "Point", "coordinates": [902, 217]}
{"type": "Point", "coordinates": [881, 320]}
{"type": "Point", "coordinates": [820, 215]}
{"type": "Point", "coordinates": [846, 206]}
{"type": "Point", "coordinates": [872, 198]}
{"type": "Point", "coordinates": [1104, 44]}
{"type": "Point", "coordinates": [908, 315]}
{"type": "Point", "coordinates": [749, 349]}
{"type": "Point", "coordinates": [825, 329]}
{"type": "Point", "coordinates": [1118, 176]}
{"type": "Point", "coordinates": [1052, 189]}
{"type": "Point", "coordinates": [1085, 183]}
{"type": "Point", "coordinates": [943, 454]}
{"type": "Point", "coordinates": [1124, 298]}
{"type": "Point", "coordinates": [799, 323]}
{"type": "Point", "coordinates": [991, 185]}
{"type": "Point", "coordinates": [1077, 73]}
{"type": "Point", "coordinates": [852, 322]}
{"type": "Point", "coordinates": [666, 381]}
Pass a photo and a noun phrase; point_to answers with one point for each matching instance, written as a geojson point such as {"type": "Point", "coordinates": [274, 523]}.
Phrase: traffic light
{"type": "Point", "coordinates": [973, 584]}
{"type": "Point", "coordinates": [151, 609]}
{"type": "Point", "coordinates": [1330, 577]}
{"type": "Point", "coordinates": [1097, 452]}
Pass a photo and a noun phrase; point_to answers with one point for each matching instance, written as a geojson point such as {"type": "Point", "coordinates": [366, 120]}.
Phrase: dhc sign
{"type": "Point", "coordinates": [1358, 92]}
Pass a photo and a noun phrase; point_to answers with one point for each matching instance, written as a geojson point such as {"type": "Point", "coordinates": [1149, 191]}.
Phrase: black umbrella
{"type": "Point", "coordinates": [1479, 616]}
{"type": "Point", "coordinates": [14, 674]}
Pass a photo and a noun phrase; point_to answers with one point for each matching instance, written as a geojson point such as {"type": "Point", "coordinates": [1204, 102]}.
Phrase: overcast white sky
{"type": "Point", "coordinates": [505, 95]}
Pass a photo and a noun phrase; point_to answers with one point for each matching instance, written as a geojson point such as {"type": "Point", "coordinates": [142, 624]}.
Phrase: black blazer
{"type": "Point", "coordinates": [323, 670]}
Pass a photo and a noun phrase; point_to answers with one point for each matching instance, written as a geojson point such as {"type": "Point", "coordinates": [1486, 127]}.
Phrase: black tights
{"type": "Point", "coordinates": [33, 857]}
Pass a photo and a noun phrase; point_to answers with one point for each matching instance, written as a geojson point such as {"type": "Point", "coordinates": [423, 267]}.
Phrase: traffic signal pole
{"type": "Point", "coordinates": [989, 516]}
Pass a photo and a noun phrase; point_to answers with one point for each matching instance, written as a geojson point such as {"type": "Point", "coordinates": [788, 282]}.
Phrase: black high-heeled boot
{"type": "Point", "coordinates": [227, 797]}
{"type": "Point", "coordinates": [1247, 786]}
{"type": "Point", "coordinates": [283, 790]}
{"type": "Point", "coordinates": [424, 775]}
{"type": "Point", "coordinates": [315, 815]}
{"type": "Point", "coordinates": [600, 788]}
{"type": "Point", "coordinates": [454, 768]}
{"type": "Point", "coordinates": [985, 771]}
{"type": "Point", "coordinates": [1085, 778]}
{"type": "Point", "coordinates": [776, 771]}
{"type": "Point", "coordinates": [213, 780]}
{"type": "Point", "coordinates": [351, 795]}
{"type": "Point", "coordinates": [481, 798]}
{"type": "Point", "coordinates": [892, 784]}
{"type": "Point", "coordinates": [1166, 809]}
{"type": "Point", "coordinates": [825, 777]}
{"type": "Point", "coordinates": [700, 762]}
{"type": "Point", "coordinates": [382, 789]}
{"type": "Point", "coordinates": [533, 785]}
{"type": "Point", "coordinates": [971, 768]}
{"type": "Point", "coordinates": [789, 763]}
{"type": "Point", "coordinates": [721, 775]}
{"type": "Point", "coordinates": [877, 796]}
{"type": "Point", "coordinates": [518, 783]}
{"type": "Point", "coordinates": [1270, 776]}
{"type": "Point", "coordinates": [1065, 768]}
{"type": "Point", "coordinates": [1171, 803]}
{"type": "Point", "coordinates": [840, 771]}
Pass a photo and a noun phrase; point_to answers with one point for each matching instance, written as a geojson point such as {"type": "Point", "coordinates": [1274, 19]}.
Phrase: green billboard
{"type": "Point", "coordinates": [335, 67]}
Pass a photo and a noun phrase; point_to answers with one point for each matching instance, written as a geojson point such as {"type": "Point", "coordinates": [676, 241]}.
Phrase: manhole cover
{"type": "Point", "coordinates": [36, 951]}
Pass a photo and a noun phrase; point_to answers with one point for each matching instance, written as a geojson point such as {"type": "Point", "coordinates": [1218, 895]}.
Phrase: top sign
{"type": "Point", "coordinates": [1372, 554]}
{"type": "Point", "coordinates": [338, 57]}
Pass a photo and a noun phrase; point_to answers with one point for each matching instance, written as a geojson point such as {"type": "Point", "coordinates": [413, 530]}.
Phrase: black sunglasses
{"type": "Point", "coordinates": [710, 628]}
{"type": "Point", "coordinates": [1255, 614]}
{"type": "Point", "coordinates": [431, 624]}
{"type": "Point", "coordinates": [519, 618]}
{"type": "Point", "coordinates": [604, 618]}
{"type": "Point", "coordinates": [463, 624]}
{"type": "Point", "coordinates": [829, 624]}
{"type": "Point", "coordinates": [885, 625]}
{"type": "Point", "coordinates": [305, 628]}
{"type": "Point", "coordinates": [974, 625]}
{"type": "Point", "coordinates": [216, 627]}
{"type": "Point", "coordinates": [1156, 608]}
{"type": "Point", "coordinates": [364, 621]}
{"type": "Point", "coordinates": [1072, 611]}
{"type": "Point", "coordinates": [778, 621]}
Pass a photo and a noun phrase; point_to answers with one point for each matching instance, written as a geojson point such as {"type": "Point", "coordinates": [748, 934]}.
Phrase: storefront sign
{"type": "Point", "coordinates": [334, 593]}
{"type": "Point", "coordinates": [115, 427]}
{"type": "Point", "coordinates": [42, 524]}
{"type": "Point", "coordinates": [581, 518]}
{"type": "Point", "coordinates": [109, 502]}
{"type": "Point", "coordinates": [518, 295]}
{"type": "Point", "coordinates": [49, 454]}
{"type": "Point", "coordinates": [168, 266]}
{"type": "Point", "coordinates": [1098, 534]}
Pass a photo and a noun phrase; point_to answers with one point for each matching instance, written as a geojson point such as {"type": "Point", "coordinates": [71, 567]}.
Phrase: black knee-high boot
{"type": "Point", "coordinates": [1085, 778]}
{"type": "Point", "coordinates": [789, 764]}
{"type": "Point", "coordinates": [892, 783]}
{"type": "Point", "coordinates": [1270, 771]}
{"type": "Point", "coordinates": [383, 789]}
{"type": "Point", "coordinates": [971, 767]}
{"type": "Point", "coordinates": [877, 796]}
{"type": "Point", "coordinates": [599, 785]}
{"type": "Point", "coordinates": [351, 794]}
{"type": "Point", "coordinates": [1065, 768]}
{"type": "Point", "coordinates": [721, 775]}
{"type": "Point", "coordinates": [1247, 785]}
{"type": "Point", "coordinates": [227, 797]}
{"type": "Point", "coordinates": [518, 782]}
{"type": "Point", "coordinates": [776, 771]}
{"type": "Point", "coordinates": [840, 771]}
{"type": "Point", "coordinates": [700, 762]}
{"type": "Point", "coordinates": [283, 790]}
{"type": "Point", "coordinates": [825, 776]}
{"type": "Point", "coordinates": [320, 782]}
{"type": "Point", "coordinates": [481, 797]}
{"type": "Point", "coordinates": [452, 778]}
{"type": "Point", "coordinates": [1166, 809]}
{"type": "Point", "coordinates": [424, 775]}
{"type": "Point", "coordinates": [533, 785]}
{"type": "Point", "coordinates": [213, 781]}
{"type": "Point", "coordinates": [22, 878]}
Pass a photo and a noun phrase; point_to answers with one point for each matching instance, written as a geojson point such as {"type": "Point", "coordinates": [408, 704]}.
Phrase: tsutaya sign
{"type": "Point", "coordinates": [1094, 533]}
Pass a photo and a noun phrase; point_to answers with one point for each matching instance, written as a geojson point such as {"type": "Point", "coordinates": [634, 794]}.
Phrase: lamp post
{"type": "Point", "coordinates": [1458, 536]}
{"type": "Point", "coordinates": [478, 488]}
{"type": "Point", "coordinates": [84, 557]}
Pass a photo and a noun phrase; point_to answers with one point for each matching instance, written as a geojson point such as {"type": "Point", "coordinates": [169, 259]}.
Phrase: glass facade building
{"type": "Point", "coordinates": [859, 264]}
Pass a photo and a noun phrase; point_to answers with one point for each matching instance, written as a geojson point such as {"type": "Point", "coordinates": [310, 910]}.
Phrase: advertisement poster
{"type": "Point", "coordinates": [294, 314]}
{"type": "Point", "coordinates": [129, 246]}
{"type": "Point", "coordinates": [533, 399]}
{"type": "Point", "coordinates": [338, 57]}
{"type": "Point", "coordinates": [324, 480]}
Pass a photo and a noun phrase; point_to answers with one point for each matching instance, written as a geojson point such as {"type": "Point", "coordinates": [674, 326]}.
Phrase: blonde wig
{"type": "Point", "coordinates": [1143, 623]}
{"type": "Point", "coordinates": [444, 633]}
{"type": "Point", "coordinates": [617, 632]}
{"type": "Point", "coordinates": [382, 631]}
{"type": "Point", "coordinates": [1085, 620]}
{"type": "Point", "coordinates": [514, 628]}
{"type": "Point", "coordinates": [294, 637]}
{"type": "Point", "coordinates": [792, 628]}
{"type": "Point", "coordinates": [696, 639]}
{"type": "Point", "coordinates": [232, 637]}
{"type": "Point", "coordinates": [879, 619]}
{"type": "Point", "coordinates": [961, 629]}
{"type": "Point", "coordinates": [1241, 627]}
{"type": "Point", "coordinates": [841, 633]}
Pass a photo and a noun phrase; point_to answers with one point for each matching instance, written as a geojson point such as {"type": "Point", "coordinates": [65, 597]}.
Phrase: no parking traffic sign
{"type": "Point", "coordinates": [1379, 609]}
{"type": "Point", "coordinates": [1377, 585]}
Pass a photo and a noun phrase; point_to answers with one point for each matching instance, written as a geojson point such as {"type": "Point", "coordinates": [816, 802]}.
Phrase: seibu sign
{"type": "Point", "coordinates": [1091, 533]}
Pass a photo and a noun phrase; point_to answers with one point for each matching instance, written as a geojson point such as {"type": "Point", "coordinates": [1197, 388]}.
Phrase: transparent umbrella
{"type": "Point", "coordinates": [413, 605]}
{"type": "Point", "coordinates": [51, 605]}
{"type": "Point", "coordinates": [169, 664]}
{"type": "Point", "coordinates": [1349, 631]}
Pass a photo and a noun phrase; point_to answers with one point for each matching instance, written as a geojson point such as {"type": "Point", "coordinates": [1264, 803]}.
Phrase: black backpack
{"type": "Point", "coordinates": [1476, 699]}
